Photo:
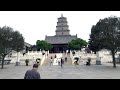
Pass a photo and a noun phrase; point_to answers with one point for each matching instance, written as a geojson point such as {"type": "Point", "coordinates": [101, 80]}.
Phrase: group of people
{"type": "Point", "coordinates": [34, 74]}
{"type": "Point", "coordinates": [60, 61]}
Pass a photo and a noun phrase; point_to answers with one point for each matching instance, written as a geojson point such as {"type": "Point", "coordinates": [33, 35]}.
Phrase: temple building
{"type": "Point", "coordinates": [27, 47]}
{"type": "Point", "coordinates": [62, 37]}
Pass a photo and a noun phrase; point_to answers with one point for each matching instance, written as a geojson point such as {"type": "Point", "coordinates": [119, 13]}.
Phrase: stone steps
{"type": "Point", "coordinates": [47, 60]}
{"type": "Point", "coordinates": [69, 61]}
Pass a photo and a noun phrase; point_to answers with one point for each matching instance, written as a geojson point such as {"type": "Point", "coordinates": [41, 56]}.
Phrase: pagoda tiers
{"type": "Point", "coordinates": [62, 37]}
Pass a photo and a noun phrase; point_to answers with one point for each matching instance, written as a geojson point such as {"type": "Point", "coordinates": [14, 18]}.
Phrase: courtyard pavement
{"type": "Point", "coordinates": [104, 71]}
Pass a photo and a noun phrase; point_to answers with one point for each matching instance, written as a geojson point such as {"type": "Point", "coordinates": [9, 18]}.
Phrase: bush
{"type": "Point", "coordinates": [76, 58]}
{"type": "Point", "coordinates": [65, 58]}
{"type": "Point", "coordinates": [76, 62]}
{"type": "Point", "coordinates": [73, 52]}
{"type": "Point", "coordinates": [38, 59]}
{"type": "Point", "coordinates": [55, 56]}
{"type": "Point", "coordinates": [89, 59]}
{"type": "Point", "coordinates": [27, 61]}
{"type": "Point", "coordinates": [43, 53]}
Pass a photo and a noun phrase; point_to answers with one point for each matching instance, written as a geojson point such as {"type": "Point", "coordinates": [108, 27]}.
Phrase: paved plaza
{"type": "Point", "coordinates": [104, 71]}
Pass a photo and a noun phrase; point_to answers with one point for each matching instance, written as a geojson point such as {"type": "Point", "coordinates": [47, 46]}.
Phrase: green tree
{"type": "Point", "coordinates": [93, 42]}
{"type": "Point", "coordinates": [77, 44]}
{"type": "Point", "coordinates": [43, 45]}
{"type": "Point", "coordinates": [9, 40]}
{"type": "Point", "coordinates": [18, 43]}
{"type": "Point", "coordinates": [106, 35]}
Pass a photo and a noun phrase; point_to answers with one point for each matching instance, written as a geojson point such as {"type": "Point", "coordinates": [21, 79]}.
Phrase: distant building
{"type": "Point", "coordinates": [27, 47]}
{"type": "Point", "coordinates": [62, 37]}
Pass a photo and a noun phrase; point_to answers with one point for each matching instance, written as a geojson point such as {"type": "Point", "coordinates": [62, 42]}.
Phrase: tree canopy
{"type": "Point", "coordinates": [77, 44]}
{"type": "Point", "coordinates": [43, 45]}
{"type": "Point", "coordinates": [106, 35]}
{"type": "Point", "coordinates": [9, 40]}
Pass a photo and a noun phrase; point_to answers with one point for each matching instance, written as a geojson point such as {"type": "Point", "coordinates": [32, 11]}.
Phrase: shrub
{"type": "Point", "coordinates": [76, 58]}
{"type": "Point", "coordinates": [27, 61]}
{"type": "Point", "coordinates": [73, 52]}
{"type": "Point", "coordinates": [38, 59]}
{"type": "Point", "coordinates": [89, 59]}
{"type": "Point", "coordinates": [43, 53]}
{"type": "Point", "coordinates": [55, 56]}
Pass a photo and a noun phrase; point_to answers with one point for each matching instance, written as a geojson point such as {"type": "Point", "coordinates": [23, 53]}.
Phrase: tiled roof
{"type": "Point", "coordinates": [27, 44]}
{"type": "Point", "coordinates": [62, 18]}
{"type": "Point", "coordinates": [60, 39]}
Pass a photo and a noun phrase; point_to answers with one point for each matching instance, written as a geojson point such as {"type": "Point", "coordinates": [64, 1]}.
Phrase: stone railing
{"type": "Point", "coordinates": [32, 56]}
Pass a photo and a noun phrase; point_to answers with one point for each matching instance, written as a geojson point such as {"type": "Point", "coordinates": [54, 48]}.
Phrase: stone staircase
{"type": "Point", "coordinates": [47, 60]}
{"type": "Point", "coordinates": [69, 61]}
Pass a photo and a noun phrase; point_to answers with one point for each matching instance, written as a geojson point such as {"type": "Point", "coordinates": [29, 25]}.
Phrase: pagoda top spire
{"type": "Point", "coordinates": [61, 15]}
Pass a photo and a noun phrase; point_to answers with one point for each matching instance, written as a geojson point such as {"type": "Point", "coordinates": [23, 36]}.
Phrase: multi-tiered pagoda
{"type": "Point", "coordinates": [62, 37]}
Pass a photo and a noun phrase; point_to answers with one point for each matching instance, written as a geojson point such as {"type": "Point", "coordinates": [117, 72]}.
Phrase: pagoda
{"type": "Point", "coordinates": [62, 37]}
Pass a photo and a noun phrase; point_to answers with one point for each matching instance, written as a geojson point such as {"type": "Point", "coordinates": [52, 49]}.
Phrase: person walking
{"type": "Point", "coordinates": [61, 62]}
{"type": "Point", "coordinates": [32, 74]}
{"type": "Point", "coordinates": [51, 60]}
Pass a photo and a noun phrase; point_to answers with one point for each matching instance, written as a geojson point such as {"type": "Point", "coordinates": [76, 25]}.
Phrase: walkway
{"type": "Point", "coordinates": [104, 71]}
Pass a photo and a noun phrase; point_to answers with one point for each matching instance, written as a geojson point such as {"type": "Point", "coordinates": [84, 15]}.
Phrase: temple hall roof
{"type": "Point", "coordinates": [62, 39]}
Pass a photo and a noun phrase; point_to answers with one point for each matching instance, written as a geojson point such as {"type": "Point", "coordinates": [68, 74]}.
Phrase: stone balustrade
{"type": "Point", "coordinates": [31, 55]}
{"type": "Point", "coordinates": [104, 55]}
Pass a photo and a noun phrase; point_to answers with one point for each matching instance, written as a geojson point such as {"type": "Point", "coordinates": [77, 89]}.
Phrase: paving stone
{"type": "Point", "coordinates": [104, 71]}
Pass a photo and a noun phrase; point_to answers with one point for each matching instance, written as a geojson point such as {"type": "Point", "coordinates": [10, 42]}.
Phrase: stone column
{"type": "Point", "coordinates": [98, 61]}
{"type": "Point", "coordinates": [18, 59]}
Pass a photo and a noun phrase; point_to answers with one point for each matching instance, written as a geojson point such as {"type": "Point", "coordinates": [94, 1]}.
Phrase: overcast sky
{"type": "Point", "coordinates": [34, 25]}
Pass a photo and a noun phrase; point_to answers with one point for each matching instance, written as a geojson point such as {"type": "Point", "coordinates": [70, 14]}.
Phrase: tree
{"type": "Point", "coordinates": [43, 45]}
{"type": "Point", "coordinates": [77, 44]}
{"type": "Point", "coordinates": [106, 35]}
{"type": "Point", "coordinates": [93, 42]}
{"type": "Point", "coordinates": [18, 43]}
{"type": "Point", "coordinates": [9, 40]}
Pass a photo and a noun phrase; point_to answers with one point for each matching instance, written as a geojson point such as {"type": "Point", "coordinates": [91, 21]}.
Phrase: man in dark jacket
{"type": "Point", "coordinates": [61, 62]}
{"type": "Point", "coordinates": [32, 74]}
